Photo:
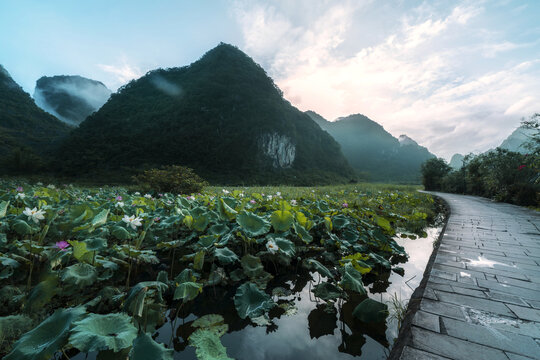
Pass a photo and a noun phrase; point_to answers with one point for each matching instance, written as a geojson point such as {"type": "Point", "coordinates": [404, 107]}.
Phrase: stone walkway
{"type": "Point", "coordinates": [482, 298]}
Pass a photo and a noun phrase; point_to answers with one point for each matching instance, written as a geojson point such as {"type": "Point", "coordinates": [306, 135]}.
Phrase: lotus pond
{"type": "Point", "coordinates": [245, 273]}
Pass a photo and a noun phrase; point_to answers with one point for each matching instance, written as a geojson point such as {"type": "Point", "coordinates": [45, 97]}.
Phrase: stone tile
{"type": "Point", "coordinates": [410, 353]}
{"type": "Point", "coordinates": [512, 356]}
{"type": "Point", "coordinates": [503, 340]}
{"type": "Point", "coordinates": [525, 313]}
{"type": "Point", "coordinates": [469, 292]}
{"type": "Point", "coordinates": [452, 347]}
{"type": "Point", "coordinates": [427, 321]}
{"type": "Point", "coordinates": [524, 284]}
{"type": "Point", "coordinates": [506, 298]}
{"type": "Point", "coordinates": [508, 289]}
{"type": "Point", "coordinates": [475, 303]}
{"type": "Point", "coordinates": [453, 283]}
{"type": "Point", "coordinates": [439, 308]}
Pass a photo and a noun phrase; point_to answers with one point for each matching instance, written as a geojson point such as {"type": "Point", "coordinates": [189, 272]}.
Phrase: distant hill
{"type": "Point", "coordinates": [456, 162]}
{"type": "Point", "coordinates": [222, 116]}
{"type": "Point", "coordinates": [25, 129]}
{"type": "Point", "coordinates": [70, 98]}
{"type": "Point", "coordinates": [374, 152]}
{"type": "Point", "coordinates": [517, 141]}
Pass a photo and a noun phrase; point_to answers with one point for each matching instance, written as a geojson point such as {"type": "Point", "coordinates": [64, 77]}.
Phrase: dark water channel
{"type": "Point", "coordinates": [310, 329]}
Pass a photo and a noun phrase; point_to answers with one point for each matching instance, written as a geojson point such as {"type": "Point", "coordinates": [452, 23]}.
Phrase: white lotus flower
{"type": "Point", "coordinates": [137, 193]}
{"type": "Point", "coordinates": [272, 246]}
{"type": "Point", "coordinates": [148, 196]}
{"type": "Point", "coordinates": [132, 221]}
{"type": "Point", "coordinates": [269, 197]}
{"type": "Point", "coordinates": [119, 204]}
{"type": "Point", "coordinates": [20, 196]}
{"type": "Point", "coordinates": [34, 214]}
{"type": "Point", "coordinates": [293, 202]}
{"type": "Point", "coordinates": [278, 193]}
{"type": "Point", "coordinates": [225, 191]}
{"type": "Point", "coordinates": [51, 186]}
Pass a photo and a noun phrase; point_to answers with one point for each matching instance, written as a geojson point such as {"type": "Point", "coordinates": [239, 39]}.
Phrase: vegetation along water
{"type": "Point", "coordinates": [226, 273]}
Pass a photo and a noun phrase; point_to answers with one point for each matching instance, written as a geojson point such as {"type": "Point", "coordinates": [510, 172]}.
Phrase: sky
{"type": "Point", "coordinates": [456, 76]}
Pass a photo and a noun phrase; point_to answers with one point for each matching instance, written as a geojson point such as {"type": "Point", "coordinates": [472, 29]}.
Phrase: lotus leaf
{"type": "Point", "coordinates": [80, 275]}
{"type": "Point", "coordinates": [8, 264]}
{"type": "Point", "coordinates": [218, 229]}
{"type": "Point", "coordinates": [207, 343]}
{"type": "Point", "coordinates": [47, 338]}
{"type": "Point", "coordinates": [252, 224]}
{"type": "Point", "coordinates": [100, 218]}
{"type": "Point", "coordinates": [281, 220]}
{"type": "Point", "coordinates": [80, 251]}
{"type": "Point", "coordinates": [370, 311]}
{"type": "Point", "coordinates": [200, 222]}
{"type": "Point", "coordinates": [185, 276]}
{"type": "Point", "coordinates": [135, 299]}
{"type": "Point", "coordinates": [187, 291]}
{"type": "Point", "coordinates": [145, 348]}
{"type": "Point", "coordinates": [302, 233]}
{"type": "Point", "coordinates": [225, 256]}
{"type": "Point", "coordinates": [320, 268]}
{"type": "Point", "coordinates": [340, 221]}
{"type": "Point", "coordinates": [120, 233]}
{"type": "Point", "coordinates": [225, 211]}
{"type": "Point", "coordinates": [328, 223]}
{"type": "Point", "coordinates": [198, 260]}
{"type": "Point", "coordinates": [3, 208]}
{"type": "Point", "coordinates": [101, 332]}
{"type": "Point", "coordinates": [251, 302]}
{"type": "Point", "coordinates": [262, 320]}
{"type": "Point", "coordinates": [327, 291]}
{"type": "Point", "coordinates": [252, 265]}
{"type": "Point", "coordinates": [207, 241]}
{"type": "Point", "coordinates": [42, 293]}
{"type": "Point", "coordinates": [352, 279]}
{"type": "Point", "coordinates": [286, 246]}
{"type": "Point", "coordinates": [11, 327]}
{"type": "Point", "coordinates": [21, 227]}
{"type": "Point", "coordinates": [208, 320]}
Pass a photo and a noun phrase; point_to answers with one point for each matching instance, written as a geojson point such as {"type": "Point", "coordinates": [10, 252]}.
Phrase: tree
{"type": "Point", "coordinates": [433, 172]}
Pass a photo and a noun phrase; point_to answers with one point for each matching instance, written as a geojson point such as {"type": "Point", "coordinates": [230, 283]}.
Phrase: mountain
{"type": "Point", "coordinates": [24, 128]}
{"type": "Point", "coordinates": [457, 161]}
{"type": "Point", "coordinates": [70, 98]}
{"type": "Point", "coordinates": [518, 140]}
{"type": "Point", "coordinates": [222, 116]}
{"type": "Point", "coordinates": [374, 152]}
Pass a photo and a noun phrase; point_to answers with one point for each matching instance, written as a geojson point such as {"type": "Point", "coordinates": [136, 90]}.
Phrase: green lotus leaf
{"type": "Point", "coordinates": [100, 218]}
{"type": "Point", "coordinates": [101, 332]}
{"type": "Point", "coordinates": [198, 260]}
{"type": "Point", "coordinates": [302, 233]}
{"type": "Point", "coordinates": [80, 275]}
{"type": "Point", "coordinates": [225, 211]}
{"type": "Point", "coordinates": [237, 275]}
{"type": "Point", "coordinates": [3, 208]}
{"type": "Point", "coordinates": [340, 221]}
{"type": "Point", "coordinates": [207, 241]}
{"type": "Point", "coordinates": [95, 243]}
{"type": "Point", "coordinates": [80, 251]}
{"type": "Point", "coordinates": [21, 227]}
{"type": "Point", "coordinates": [163, 277]}
{"type": "Point", "coordinates": [252, 265]}
{"type": "Point", "coordinates": [226, 256]}
{"type": "Point", "coordinates": [200, 222]}
{"type": "Point", "coordinates": [208, 320]}
{"type": "Point", "coordinates": [252, 224]}
{"type": "Point", "coordinates": [134, 302]}
{"type": "Point", "coordinates": [384, 223]}
{"type": "Point", "coordinates": [320, 268]}
{"type": "Point", "coordinates": [145, 348]}
{"type": "Point", "coordinates": [380, 260]}
{"type": "Point", "coordinates": [13, 326]}
{"type": "Point", "coordinates": [207, 344]}
{"type": "Point", "coordinates": [9, 265]}
{"type": "Point", "coordinates": [218, 229]}
{"type": "Point", "coordinates": [187, 291]}
{"type": "Point", "coordinates": [42, 293]}
{"type": "Point", "coordinates": [281, 220]}
{"type": "Point", "coordinates": [370, 311]}
{"type": "Point", "coordinates": [42, 342]}
{"type": "Point", "coordinates": [120, 233]}
{"type": "Point", "coordinates": [352, 279]}
{"type": "Point", "coordinates": [286, 246]}
{"type": "Point", "coordinates": [185, 276]}
{"type": "Point", "coordinates": [327, 291]}
{"type": "Point", "coordinates": [251, 302]}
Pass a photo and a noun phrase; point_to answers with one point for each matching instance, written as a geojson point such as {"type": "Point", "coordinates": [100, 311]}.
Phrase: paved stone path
{"type": "Point", "coordinates": [482, 298]}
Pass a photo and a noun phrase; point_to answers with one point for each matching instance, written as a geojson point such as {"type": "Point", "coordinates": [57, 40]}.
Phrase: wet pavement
{"type": "Point", "coordinates": [482, 298]}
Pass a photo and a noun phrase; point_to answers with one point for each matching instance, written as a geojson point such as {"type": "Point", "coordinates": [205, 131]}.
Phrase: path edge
{"type": "Point", "coordinates": [404, 335]}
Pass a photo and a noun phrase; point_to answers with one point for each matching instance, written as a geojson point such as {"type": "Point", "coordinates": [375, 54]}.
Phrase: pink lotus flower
{"type": "Point", "coordinates": [252, 201]}
{"type": "Point", "coordinates": [19, 189]}
{"type": "Point", "coordinates": [62, 245]}
{"type": "Point", "coordinates": [345, 205]}
{"type": "Point", "coordinates": [118, 198]}
{"type": "Point", "coordinates": [520, 167]}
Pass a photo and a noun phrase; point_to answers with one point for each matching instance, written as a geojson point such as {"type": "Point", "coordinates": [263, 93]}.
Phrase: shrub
{"type": "Point", "coordinates": [433, 172]}
{"type": "Point", "coordinates": [174, 179]}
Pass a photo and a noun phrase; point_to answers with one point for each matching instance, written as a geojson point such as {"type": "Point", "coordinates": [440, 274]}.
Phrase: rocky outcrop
{"type": "Point", "coordinates": [279, 148]}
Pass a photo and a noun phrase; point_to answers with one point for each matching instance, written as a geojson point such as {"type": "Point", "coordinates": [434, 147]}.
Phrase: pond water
{"type": "Point", "coordinates": [303, 327]}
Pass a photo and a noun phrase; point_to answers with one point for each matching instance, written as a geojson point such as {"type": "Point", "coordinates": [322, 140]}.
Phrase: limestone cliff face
{"type": "Point", "coordinates": [279, 148]}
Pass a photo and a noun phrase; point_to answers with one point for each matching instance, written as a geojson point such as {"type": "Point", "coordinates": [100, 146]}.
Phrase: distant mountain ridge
{"type": "Point", "coordinates": [373, 151]}
{"type": "Point", "coordinates": [23, 125]}
{"type": "Point", "coordinates": [71, 98]}
{"type": "Point", "coordinates": [222, 116]}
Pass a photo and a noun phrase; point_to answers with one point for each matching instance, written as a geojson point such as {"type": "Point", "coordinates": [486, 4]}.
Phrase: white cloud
{"type": "Point", "coordinates": [425, 78]}
{"type": "Point", "coordinates": [122, 73]}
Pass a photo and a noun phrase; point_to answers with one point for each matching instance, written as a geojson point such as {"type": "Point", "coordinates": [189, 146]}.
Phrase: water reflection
{"type": "Point", "coordinates": [302, 327]}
